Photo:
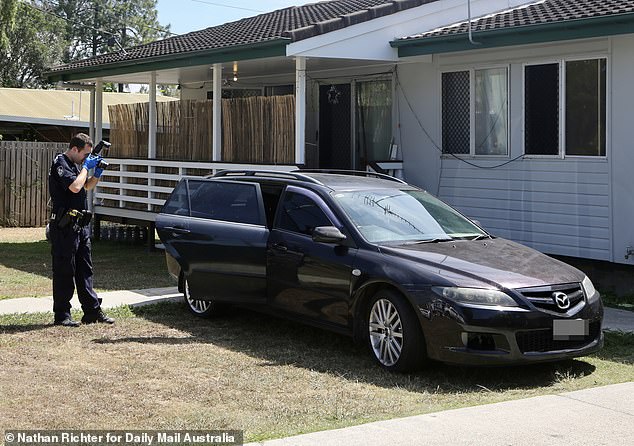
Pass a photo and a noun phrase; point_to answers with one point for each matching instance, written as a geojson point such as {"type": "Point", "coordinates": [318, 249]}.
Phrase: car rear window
{"type": "Point", "coordinates": [177, 203]}
{"type": "Point", "coordinates": [215, 200]}
{"type": "Point", "coordinates": [219, 200]}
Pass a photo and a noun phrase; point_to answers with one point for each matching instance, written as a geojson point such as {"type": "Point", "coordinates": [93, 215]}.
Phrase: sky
{"type": "Point", "coordinates": [193, 15]}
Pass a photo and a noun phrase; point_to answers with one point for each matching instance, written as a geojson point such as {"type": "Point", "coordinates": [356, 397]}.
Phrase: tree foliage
{"type": "Point", "coordinates": [99, 26]}
{"type": "Point", "coordinates": [33, 45]}
{"type": "Point", "coordinates": [7, 17]}
{"type": "Point", "coordinates": [53, 32]}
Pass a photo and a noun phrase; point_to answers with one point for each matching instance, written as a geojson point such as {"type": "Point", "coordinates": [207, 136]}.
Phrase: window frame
{"type": "Point", "coordinates": [262, 219]}
{"type": "Point", "coordinates": [319, 201]}
{"type": "Point", "coordinates": [561, 63]}
{"type": "Point", "coordinates": [472, 112]}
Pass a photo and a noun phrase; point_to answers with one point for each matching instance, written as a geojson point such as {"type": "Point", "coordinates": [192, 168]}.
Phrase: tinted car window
{"type": "Point", "coordinates": [177, 203]}
{"type": "Point", "coordinates": [301, 214]}
{"type": "Point", "coordinates": [224, 201]}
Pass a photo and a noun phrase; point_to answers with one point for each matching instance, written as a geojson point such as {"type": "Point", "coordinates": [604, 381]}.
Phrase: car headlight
{"type": "Point", "coordinates": [476, 296]}
{"type": "Point", "coordinates": [589, 290]}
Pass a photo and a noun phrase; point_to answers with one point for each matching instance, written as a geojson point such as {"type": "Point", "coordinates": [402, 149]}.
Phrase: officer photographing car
{"type": "Point", "coordinates": [69, 232]}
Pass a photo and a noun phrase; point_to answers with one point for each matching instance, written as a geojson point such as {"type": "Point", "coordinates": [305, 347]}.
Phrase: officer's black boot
{"type": "Point", "coordinates": [96, 316]}
{"type": "Point", "coordinates": [67, 322]}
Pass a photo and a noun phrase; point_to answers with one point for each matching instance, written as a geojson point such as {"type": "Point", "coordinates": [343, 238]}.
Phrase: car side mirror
{"type": "Point", "coordinates": [328, 234]}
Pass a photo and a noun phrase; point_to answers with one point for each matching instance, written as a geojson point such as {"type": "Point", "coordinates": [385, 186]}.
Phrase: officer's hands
{"type": "Point", "coordinates": [92, 161]}
{"type": "Point", "coordinates": [98, 172]}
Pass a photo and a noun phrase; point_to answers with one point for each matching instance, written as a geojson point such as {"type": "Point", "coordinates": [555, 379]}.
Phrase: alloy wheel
{"type": "Point", "coordinates": [197, 306]}
{"type": "Point", "coordinates": [386, 332]}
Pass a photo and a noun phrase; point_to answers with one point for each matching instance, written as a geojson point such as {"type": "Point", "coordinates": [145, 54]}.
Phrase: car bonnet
{"type": "Point", "coordinates": [491, 262]}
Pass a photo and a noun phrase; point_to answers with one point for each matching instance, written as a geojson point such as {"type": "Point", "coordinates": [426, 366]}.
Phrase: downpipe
{"type": "Point", "coordinates": [470, 26]}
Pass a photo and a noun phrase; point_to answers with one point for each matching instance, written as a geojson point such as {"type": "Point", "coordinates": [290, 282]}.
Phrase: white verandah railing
{"type": "Point", "coordinates": [137, 188]}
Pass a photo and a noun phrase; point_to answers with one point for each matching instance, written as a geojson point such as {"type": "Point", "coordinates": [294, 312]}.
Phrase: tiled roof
{"type": "Point", "coordinates": [538, 13]}
{"type": "Point", "coordinates": [294, 23]}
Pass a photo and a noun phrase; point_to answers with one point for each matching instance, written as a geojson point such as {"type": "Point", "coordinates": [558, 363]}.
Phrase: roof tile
{"type": "Point", "coordinates": [295, 23]}
{"type": "Point", "coordinates": [542, 12]}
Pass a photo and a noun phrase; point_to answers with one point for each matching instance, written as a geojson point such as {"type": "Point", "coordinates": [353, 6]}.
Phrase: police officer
{"type": "Point", "coordinates": [69, 232]}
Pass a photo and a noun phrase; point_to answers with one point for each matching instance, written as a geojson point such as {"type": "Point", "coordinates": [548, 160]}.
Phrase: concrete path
{"type": "Point", "coordinates": [111, 299]}
{"type": "Point", "coordinates": [614, 319]}
{"type": "Point", "coordinates": [618, 320]}
{"type": "Point", "coordinates": [598, 416]}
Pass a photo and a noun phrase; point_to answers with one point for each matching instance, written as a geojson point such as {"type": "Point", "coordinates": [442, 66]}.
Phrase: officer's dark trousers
{"type": "Point", "coordinates": [72, 265]}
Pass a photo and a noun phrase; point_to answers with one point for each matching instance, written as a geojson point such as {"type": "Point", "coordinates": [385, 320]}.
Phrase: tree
{"type": "Point", "coordinates": [100, 26]}
{"type": "Point", "coordinates": [171, 91]}
{"type": "Point", "coordinates": [7, 17]}
{"type": "Point", "coordinates": [31, 47]}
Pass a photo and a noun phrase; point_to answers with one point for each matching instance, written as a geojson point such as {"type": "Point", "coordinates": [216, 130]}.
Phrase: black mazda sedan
{"type": "Point", "coordinates": [373, 257]}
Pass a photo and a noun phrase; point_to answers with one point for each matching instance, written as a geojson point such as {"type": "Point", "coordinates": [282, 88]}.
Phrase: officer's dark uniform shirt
{"type": "Point", "coordinates": [63, 173]}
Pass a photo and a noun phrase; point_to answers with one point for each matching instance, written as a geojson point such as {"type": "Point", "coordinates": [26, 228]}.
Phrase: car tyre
{"type": "Point", "coordinates": [200, 308]}
{"type": "Point", "coordinates": [394, 335]}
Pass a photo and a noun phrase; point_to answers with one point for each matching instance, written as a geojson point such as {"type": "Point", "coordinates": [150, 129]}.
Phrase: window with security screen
{"type": "Point", "coordinates": [456, 115]}
{"type": "Point", "coordinates": [477, 123]}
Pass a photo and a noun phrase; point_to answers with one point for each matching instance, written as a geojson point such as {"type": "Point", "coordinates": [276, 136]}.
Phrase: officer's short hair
{"type": "Point", "coordinates": [80, 141]}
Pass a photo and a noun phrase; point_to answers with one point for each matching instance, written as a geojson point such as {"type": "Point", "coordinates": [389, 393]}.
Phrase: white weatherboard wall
{"type": "Point", "coordinates": [622, 159]}
{"type": "Point", "coordinates": [558, 206]}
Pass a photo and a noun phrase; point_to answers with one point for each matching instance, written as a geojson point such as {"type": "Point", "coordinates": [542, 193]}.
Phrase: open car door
{"type": "Point", "coordinates": [216, 230]}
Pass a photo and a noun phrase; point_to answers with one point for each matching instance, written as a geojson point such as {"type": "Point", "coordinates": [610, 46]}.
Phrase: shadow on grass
{"type": "Point", "coordinates": [117, 265]}
{"type": "Point", "coordinates": [280, 342]}
{"type": "Point", "coordinates": [21, 328]}
{"type": "Point", "coordinates": [619, 347]}
{"type": "Point", "coordinates": [29, 257]}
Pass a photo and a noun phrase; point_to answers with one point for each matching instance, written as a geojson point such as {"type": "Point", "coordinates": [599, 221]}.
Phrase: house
{"type": "Point", "coordinates": [533, 121]}
{"type": "Point", "coordinates": [54, 115]}
{"type": "Point", "coordinates": [516, 112]}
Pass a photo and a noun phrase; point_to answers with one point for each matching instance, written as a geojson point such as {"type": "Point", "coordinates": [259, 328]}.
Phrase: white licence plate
{"type": "Point", "coordinates": [569, 330]}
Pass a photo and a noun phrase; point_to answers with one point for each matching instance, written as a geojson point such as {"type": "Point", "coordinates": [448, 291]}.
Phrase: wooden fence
{"type": "Point", "coordinates": [24, 168]}
{"type": "Point", "coordinates": [255, 130]}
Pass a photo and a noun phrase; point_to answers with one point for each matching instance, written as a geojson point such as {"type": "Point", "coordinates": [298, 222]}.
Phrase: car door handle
{"type": "Point", "coordinates": [177, 230]}
{"type": "Point", "coordinates": [279, 247]}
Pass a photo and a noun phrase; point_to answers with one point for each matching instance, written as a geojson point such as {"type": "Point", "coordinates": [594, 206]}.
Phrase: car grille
{"type": "Point", "coordinates": [542, 340]}
{"type": "Point", "coordinates": [542, 298]}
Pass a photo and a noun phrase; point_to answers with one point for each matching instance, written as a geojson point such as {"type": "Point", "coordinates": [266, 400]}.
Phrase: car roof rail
{"type": "Point", "coordinates": [294, 175]}
{"type": "Point", "coordinates": [356, 173]}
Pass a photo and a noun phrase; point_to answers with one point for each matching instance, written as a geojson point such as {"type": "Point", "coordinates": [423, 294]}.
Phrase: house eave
{"type": "Point", "coordinates": [530, 34]}
{"type": "Point", "coordinates": [269, 48]}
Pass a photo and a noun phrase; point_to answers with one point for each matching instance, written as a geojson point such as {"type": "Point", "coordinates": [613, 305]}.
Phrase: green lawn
{"type": "Point", "coordinates": [25, 265]}
{"type": "Point", "coordinates": [625, 302]}
{"type": "Point", "coordinates": [159, 367]}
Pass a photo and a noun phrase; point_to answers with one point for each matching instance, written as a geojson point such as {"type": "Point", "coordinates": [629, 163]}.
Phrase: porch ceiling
{"type": "Point", "coordinates": [268, 68]}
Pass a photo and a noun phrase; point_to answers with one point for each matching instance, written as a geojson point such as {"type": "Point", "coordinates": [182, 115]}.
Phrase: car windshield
{"type": "Point", "coordinates": [392, 215]}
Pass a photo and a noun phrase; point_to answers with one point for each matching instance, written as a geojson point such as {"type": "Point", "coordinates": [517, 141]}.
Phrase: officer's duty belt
{"type": "Point", "coordinates": [71, 217]}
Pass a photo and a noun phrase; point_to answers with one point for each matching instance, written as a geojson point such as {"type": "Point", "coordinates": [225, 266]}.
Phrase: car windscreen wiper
{"type": "Point", "coordinates": [479, 237]}
{"type": "Point", "coordinates": [430, 240]}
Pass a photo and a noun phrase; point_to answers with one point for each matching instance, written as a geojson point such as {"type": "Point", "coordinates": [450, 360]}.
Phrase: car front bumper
{"type": "Point", "coordinates": [481, 336]}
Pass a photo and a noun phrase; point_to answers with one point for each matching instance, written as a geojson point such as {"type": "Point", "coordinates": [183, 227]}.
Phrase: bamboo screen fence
{"type": "Point", "coordinates": [255, 130]}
